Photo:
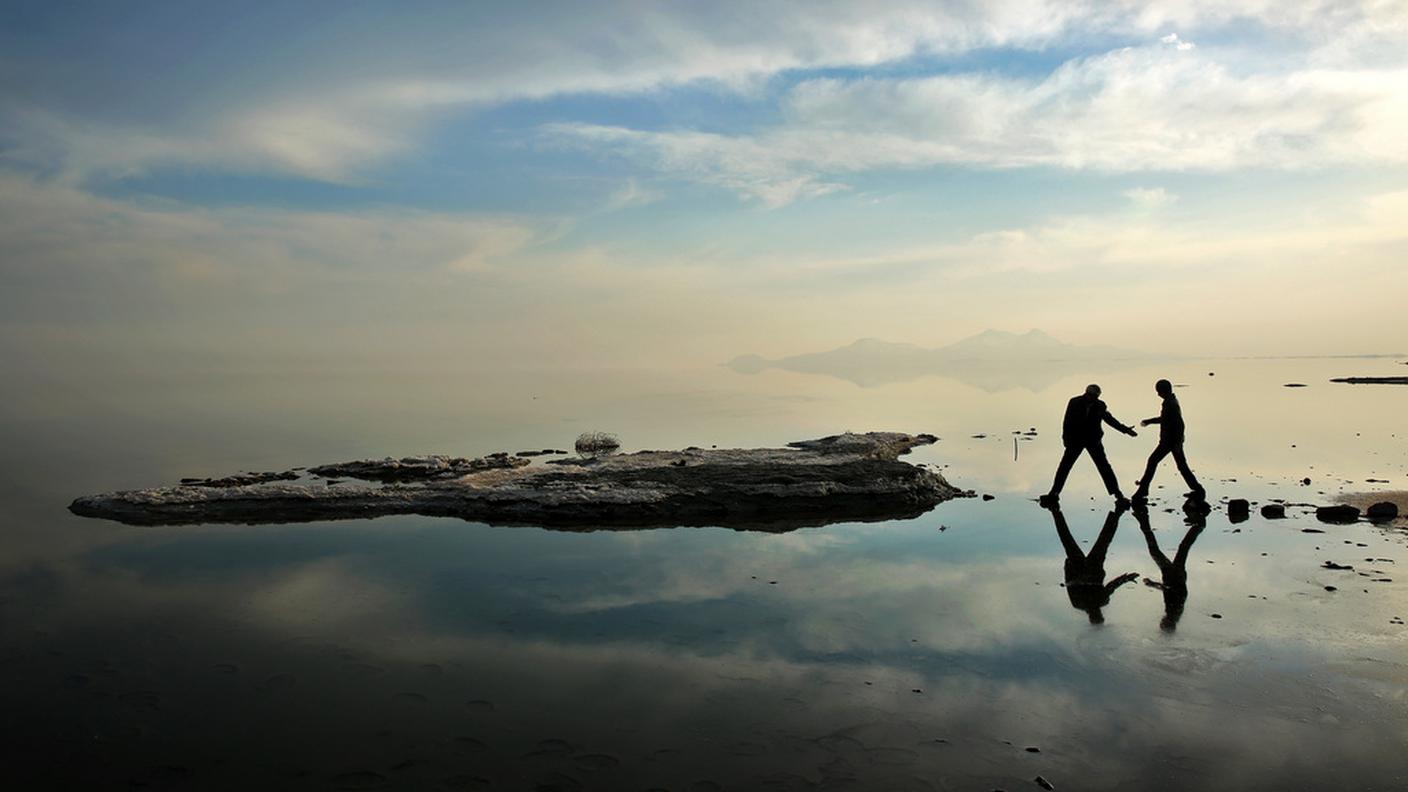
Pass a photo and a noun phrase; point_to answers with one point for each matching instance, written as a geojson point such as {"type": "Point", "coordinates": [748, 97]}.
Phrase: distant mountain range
{"type": "Point", "coordinates": [992, 360]}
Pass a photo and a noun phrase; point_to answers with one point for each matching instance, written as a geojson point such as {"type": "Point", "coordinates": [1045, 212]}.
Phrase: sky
{"type": "Point", "coordinates": [404, 184]}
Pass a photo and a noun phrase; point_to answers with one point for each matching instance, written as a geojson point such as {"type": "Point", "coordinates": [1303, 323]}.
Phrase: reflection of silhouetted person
{"type": "Point", "coordinates": [1082, 431]}
{"type": "Point", "coordinates": [1170, 423]}
{"type": "Point", "coordinates": [1085, 572]}
{"type": "Point", "coordinates": [1175, 572]}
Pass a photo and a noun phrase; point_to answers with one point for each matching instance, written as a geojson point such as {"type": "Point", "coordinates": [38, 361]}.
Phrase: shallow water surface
{"type": "Point", "coordinates": [943, 652]}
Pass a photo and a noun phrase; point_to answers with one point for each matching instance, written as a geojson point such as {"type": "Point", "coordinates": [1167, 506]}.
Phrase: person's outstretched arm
{"type": "Point", "coordinates": [1148, 421]}
{"type": "Point", "coordinates": [1113, 421]}
{"type": "Point", "coordinates": [1119, 581]}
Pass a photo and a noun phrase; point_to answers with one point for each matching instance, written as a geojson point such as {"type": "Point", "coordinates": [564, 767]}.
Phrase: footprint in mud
{"type": "Point", "coordinates": [838, 743]}
{"type": "Point", "coordinates": [225, 668]}
{"type": "Point", "coordinates": [551, 748]}
{"type": "Point", "coordinates": [596, 761]}
{"type": "Point", "coordinates": [662, 755]}
{"type": "Point", "coordinates": [411, 698]}
{"type": "Point", "coordinates": [278, 682]}
{"type": "Point", "coordinates": [557, 782]}
{"type": "Point", "coordinates": [465, 783]}
{"type": "Point", "coordinates": [145, 700]}
{"type": "Point", "coordinates": [468, 745]}
{"type": "Point", "coordinates": [479, 705]}
{"type": "Point", "coordinates": [359, 779]}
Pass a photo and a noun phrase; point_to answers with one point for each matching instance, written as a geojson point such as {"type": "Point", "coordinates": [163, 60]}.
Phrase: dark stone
{"type": "Point", "coordinates": [1333, 565]}
{"type": "Point", "coordinates": [1043, 783]}
{"type": "Point", "coordinates": [1238, 509]}
{"type": "Point", "coordinates": [987, 497]}
{"type": "Point", "coordinates": [1294, 385]}
{"type": "Point", "coordinates": [1383, 510]}
{"type": "Point", "coordinates": [1341, 513]}
{"type": "Point", "coordinates": [1273, 511]}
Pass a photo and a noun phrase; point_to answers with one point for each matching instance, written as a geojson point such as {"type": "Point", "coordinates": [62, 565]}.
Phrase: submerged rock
{"type": "Point", "coordinates": [814, 482]}
{"type": "Point", "coordinates": [1238, 509]}
{"type": "Point", "coordinates": [1337, 514]}
{"type": "Point", "coordinates": [1383, 510]}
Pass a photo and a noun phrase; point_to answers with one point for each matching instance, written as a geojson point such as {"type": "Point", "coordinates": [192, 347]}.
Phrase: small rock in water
{"type": "Point", "coordinates": [1294, 385]}
{"type": "Point", "coordinates": [1238, 509]}
{"type": "Point", "coordinates": [1384, 510]}
{"type": "Point", "coordinates": [1340, 513]}
{"type": "Point", "coordinates": [1042, 782]}
{"type": "Point", "coordinates": [594, 443]}
{"type": "Point", "coordinates": [1273, 511]}
{"type": "Point", "coordinates": [987, 497]}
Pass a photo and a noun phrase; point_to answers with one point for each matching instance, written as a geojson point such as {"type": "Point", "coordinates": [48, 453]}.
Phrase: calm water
{"type": "Point", "coordinates": [934, 653]}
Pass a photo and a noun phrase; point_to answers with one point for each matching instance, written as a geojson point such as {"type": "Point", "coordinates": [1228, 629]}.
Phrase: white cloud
{"type": "Point", "coordinates": [1129, 110]}
{"type": "Point", "coordinates": [331, 113]}
{"type": "Point", "coordinates": [1150, 198]}
{"type": "Point", "coordinates": [1177, 43]}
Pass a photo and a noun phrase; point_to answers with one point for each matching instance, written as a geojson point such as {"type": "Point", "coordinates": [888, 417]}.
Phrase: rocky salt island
{"type": "Point", "coordinates": [846, 477]}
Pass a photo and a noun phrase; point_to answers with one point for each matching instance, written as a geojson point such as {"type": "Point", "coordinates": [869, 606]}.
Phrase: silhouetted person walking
{"type": "Point", "coordinates": [1171, 435]}
{"type": "Point", "coordinates": [1174, 574]}
{"type": "Point", "coordinates": [1082, 430]}
{"type": "Point", "coordinates": [1085, 572]}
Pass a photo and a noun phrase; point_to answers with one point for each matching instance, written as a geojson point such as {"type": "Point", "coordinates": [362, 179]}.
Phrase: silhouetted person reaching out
{"type": "Point", "coordinates": [1085, 572]}
{"type": "Point", "coordinates": [1171, 436]}
{"type": "Point", "coordinates": [1174, 574]}
{"type": "Point", "coordinates": [1082, 430]}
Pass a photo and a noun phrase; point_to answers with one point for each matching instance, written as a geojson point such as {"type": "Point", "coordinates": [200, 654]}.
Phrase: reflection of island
{"type": "Point", "coordinates": [1174, 573]}
{"type": "Point", "coordinates": [992, 361]}
{"type": "Point", "coordinates": [1085, 572]}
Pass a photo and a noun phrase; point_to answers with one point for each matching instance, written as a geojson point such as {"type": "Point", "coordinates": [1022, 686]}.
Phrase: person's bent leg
{"type": "Point", "coordinates": [1102, 464]}
{"type": "Point", "coordinates": [1068, 460]}
{"type": "Point", "coordinates": [1147, 481]}
{"type": "Point", "coordinates": [1188, 478]}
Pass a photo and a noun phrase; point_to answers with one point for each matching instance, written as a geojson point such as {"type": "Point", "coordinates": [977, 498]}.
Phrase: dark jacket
{"type": "Point", "coordinates": [1084, 416]}
{"type": "Point", "coordinates": [1170, 421]}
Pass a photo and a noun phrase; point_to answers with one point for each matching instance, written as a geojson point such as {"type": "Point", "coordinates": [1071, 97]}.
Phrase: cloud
{"type": "Point", "coordinates": [1177, 43]}
{"type": "Point", "coordinates": [332, 98]}
{"type": "Point", "coordinates": [74, 257]}
{"type": "Point", "coordinates": [1149, 198]}
{"type": "Point", "coordinates": [1134, 109]}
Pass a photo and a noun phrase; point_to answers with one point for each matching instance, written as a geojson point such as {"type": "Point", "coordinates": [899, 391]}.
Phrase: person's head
{"type": "Point", "coordinates": [1163, 387]}
{"type": "Point", "coordinates": [1092, 390]}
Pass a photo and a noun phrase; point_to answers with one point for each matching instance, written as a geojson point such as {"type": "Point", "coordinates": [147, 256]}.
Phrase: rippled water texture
{"type": "Point", "coordinates": [943, 652]}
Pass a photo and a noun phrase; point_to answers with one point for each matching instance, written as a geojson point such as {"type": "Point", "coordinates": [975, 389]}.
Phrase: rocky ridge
{"type": "Point", "coordinates": [847, 477]}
